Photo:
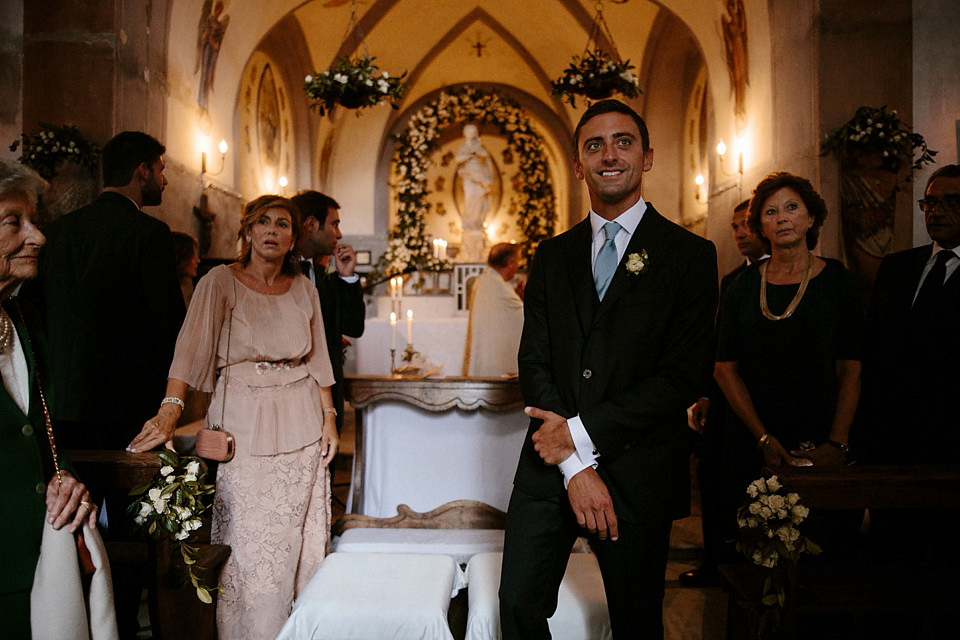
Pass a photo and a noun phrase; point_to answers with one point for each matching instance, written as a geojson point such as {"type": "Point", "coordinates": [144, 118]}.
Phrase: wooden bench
{"type": "Point", "coordinates": [867, 586]}
{"type": "Point", "coordinates": [175, 611]}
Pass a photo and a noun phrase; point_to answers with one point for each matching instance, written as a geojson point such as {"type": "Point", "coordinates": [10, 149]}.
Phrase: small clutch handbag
{"type": "Point", "coordinates": [215, 444]}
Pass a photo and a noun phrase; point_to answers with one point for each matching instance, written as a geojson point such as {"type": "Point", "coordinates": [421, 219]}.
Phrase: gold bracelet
{"type": "Point", "coordinates": [763, 441]}
{"type": "Point", "coordinates": [330, 410]}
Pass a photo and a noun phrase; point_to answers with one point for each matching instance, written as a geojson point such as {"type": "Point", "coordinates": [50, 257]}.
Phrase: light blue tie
{"type": "Point", "coordinates": [606, 259]}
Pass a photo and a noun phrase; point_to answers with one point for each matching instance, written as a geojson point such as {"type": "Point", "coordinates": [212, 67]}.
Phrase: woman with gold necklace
{"type": "Point", "coordinates": [789, 353]}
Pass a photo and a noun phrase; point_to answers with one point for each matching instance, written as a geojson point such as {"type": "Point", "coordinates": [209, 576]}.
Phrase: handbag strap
{"type": "Point", "coordinates": [43, 399]}
{"type": "Point", "coordinates": [226, 385]}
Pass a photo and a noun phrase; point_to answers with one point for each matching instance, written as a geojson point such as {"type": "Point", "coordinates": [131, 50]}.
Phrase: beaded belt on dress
{"type": "Point", "coordinates": [261, 367]}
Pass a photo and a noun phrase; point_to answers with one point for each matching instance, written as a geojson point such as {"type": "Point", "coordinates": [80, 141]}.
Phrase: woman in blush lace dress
{"type": "Point", "coordinates": [254, 336]}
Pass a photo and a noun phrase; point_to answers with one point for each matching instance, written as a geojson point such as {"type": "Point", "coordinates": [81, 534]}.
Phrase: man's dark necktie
{"type": "Point", "coordinates": [305, 267]}
{"type": "Point", "coordinates": [932, 288]}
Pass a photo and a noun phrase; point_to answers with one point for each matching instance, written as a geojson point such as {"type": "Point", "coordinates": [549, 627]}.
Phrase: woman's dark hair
{"type": "Point", "coordinates": [184, 247]}
{"type": "Point", "coordinates": [251, 213]}
{"type": "Point", "coordinates": [815, 205]}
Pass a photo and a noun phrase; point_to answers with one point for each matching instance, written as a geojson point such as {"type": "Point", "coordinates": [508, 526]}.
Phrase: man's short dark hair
{"type": "Point", "coordinates": [610, 106]}
{"type": "Point", "coordinates": [313, 204]}
{"type": "Point", "coordinates": [124, 152]}
{"type": "Point", "coordinates": [743, 206]}
{"type": "Point", "coordinates": [946, 171]}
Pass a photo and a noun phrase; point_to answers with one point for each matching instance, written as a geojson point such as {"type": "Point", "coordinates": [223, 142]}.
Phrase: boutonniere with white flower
{"type": "Point", "coordinates": [170, 508]}
{"type": "Point", "coordinates": [637, 263]}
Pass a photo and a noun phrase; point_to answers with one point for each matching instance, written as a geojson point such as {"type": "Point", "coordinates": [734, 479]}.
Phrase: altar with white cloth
{"type": "Point", "coordinates": [425, 442]}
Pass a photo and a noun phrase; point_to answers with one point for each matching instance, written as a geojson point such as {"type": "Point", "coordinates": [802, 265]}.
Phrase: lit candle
{"type": "Point", "coordinates": [409, 326]}
{"type": "Point", "coordinates": [393, 327]}
{"type": "Point", "coordinates": [436, 248]}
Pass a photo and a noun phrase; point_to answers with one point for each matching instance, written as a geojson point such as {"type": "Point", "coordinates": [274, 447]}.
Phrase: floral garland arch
{"type": "Point", "coordinates": [409, 246]}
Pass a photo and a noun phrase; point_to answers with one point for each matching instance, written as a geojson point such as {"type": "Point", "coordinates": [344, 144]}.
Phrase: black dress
{"type": "Point", "coordinates": [789, 366]}
{"type": "Point", "coordinates": [790, 369]}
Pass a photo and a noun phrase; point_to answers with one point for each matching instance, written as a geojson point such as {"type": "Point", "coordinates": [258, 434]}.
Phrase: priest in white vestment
{"type": "Point", "coordinates": [496, 316]}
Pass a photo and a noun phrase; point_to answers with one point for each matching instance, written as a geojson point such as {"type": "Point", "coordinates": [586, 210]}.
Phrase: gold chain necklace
{"type": "Point", "coordinates": [6, 331]}
{"type": "Point", "coordinates": [796, 298]}
{"type": "Point", "coordinates": [43, 399]}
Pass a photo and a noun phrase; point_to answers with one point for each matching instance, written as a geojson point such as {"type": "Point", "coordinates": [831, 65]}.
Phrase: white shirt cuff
{"type": "Point", "coordinates": [571, 467]}
{"type": "Point", "coordinates": [350, 279]}
{"type": "Point", "coordinates": [586, 450]}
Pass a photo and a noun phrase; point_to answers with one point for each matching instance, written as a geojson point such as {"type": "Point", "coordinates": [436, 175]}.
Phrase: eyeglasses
{"type": "Point", "coordinates": [949, 203]}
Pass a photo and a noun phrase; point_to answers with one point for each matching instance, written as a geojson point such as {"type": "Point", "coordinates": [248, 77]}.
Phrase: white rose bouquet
{"type": "Point", "coordinates": [770, 537]}
{"type": "Point", "coordinates": [170, 508]}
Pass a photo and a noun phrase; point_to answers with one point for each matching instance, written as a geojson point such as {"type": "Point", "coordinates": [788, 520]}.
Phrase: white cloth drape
{"type": "Point", "coordinates": [58, 610]}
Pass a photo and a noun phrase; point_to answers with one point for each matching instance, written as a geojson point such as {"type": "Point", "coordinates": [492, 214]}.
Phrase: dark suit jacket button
{"type": "Point", "coordinates": [27, 429]}
{"type": "Point", "coordinates": [587, 373]}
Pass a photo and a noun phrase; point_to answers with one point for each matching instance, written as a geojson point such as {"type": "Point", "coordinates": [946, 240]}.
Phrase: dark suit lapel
{"type": "Point", "coordinates": [580, 273]}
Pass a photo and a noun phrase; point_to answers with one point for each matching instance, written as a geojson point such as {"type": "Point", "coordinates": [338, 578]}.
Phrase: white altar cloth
{"type": "Point", "coordinates": [424, 459]}
{"type": "Point", "coordinates": [440, 341]}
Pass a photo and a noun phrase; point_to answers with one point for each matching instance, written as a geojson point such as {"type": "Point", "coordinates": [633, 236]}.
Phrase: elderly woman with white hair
{"type": "Point", "coordinates": [36, 482]}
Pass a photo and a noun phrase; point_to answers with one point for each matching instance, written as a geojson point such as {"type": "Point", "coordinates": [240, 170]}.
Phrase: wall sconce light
{"type": "Point", "coordinates": [223, 154]}
{"type": "Point", "coordinates": [283, 183]}
{"type": "Point", "coordinates": [699, 182]}
{"type": "Point", "coordinates": [722, 152]}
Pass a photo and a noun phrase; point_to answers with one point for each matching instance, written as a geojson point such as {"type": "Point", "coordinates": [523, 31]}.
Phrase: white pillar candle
{"type": "Point", "coordinates": [409, 326]}
{"type": "Point", "coordinates": [393, 327]}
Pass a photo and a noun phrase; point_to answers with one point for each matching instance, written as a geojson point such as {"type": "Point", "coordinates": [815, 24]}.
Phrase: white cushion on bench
{"type": "Point", "coordinates": [460, 544]}
{"type": "Point", "coordinates": [375, 596]}
{"type": "Point", "coordinates": [581, 605]}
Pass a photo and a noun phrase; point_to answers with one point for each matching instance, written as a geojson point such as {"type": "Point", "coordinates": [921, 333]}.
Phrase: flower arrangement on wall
{"type": "Point", "coordinates": [409, 245]}
{"type": "Point", "coordinates": [47, 146]}
{"type": "Point", "coordinates": [354, 83]}
{"type": "Point", "coordinates": [878, 131]}
{"type": "Point", "coordinates": [596, 75]}
{"type": "Point", "coordinates": [878, 152]}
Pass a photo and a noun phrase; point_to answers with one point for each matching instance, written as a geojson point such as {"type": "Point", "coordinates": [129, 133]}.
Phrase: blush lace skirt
{"type": "Point", "coordinates": [274, 512]}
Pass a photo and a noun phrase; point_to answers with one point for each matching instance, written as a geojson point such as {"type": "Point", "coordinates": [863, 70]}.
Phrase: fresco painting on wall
{"type": "Point", "coordinates": [210, 34]}
{"type": "Point", "coordinates": [734, 26]}
{"type": "Point", "coordinates": [268, 128]}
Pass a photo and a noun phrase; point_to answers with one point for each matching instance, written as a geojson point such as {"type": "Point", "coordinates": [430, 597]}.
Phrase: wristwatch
{"type": "Point", "coordinates": [839, 445]}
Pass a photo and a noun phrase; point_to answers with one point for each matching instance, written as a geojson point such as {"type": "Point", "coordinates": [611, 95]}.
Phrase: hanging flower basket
{"type": "Point", "coordinates": [353, 83]}
{"type": "Point", "coordinates": [596, 76]}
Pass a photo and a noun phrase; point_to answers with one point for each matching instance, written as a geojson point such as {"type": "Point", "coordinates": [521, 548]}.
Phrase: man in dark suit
{"type": "Point", "coordinates": [341, 296]}
{"type": "Point", "coordinates": [724, 459]}
{"type": "Point", "coordinates": [113, 308]}
{"type": "Point", "coordinates": [617, 331]}
{"type": "Point", "coordinates": [908, 412]}
{"type": "Point", "coordinates": [112, 301]}
{"type": "Point", "coordinates": [910, 374]}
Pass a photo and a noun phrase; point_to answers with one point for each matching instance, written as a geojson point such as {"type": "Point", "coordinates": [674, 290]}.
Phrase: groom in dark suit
{"type": "Point", "coordinates": [618, 318]}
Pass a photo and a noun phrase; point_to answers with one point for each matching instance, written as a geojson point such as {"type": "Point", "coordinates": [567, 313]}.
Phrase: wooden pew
{"type": "Point", "coordinates": [175, 611]}
{"type": "Point", "coordinates": [863, 586]}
